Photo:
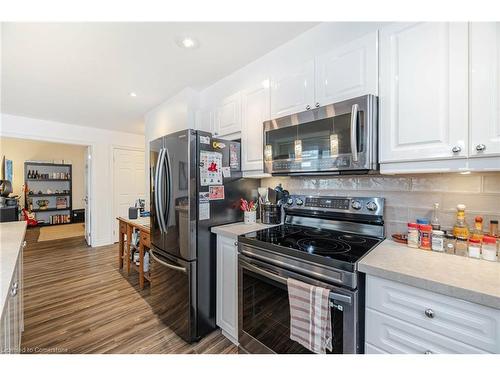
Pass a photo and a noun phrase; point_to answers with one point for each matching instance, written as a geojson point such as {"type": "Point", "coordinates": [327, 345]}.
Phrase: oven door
{"type": "Point", "coordinates": [264, 311]}
{"type": "Point", "coordinates": [330, 139]}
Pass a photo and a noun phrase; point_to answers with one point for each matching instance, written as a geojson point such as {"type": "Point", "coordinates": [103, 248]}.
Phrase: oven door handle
{"type": "Point", "coordinates": [283, 280]}
{"type": "Point", "coordinates": [354, 132]}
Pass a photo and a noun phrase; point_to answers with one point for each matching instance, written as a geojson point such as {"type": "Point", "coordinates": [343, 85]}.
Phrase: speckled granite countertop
{"type": "Point", "coordinates": [236, 229]}
{"type": "Point", "coordinates": [11, 240]}
{"type": "Point", "coordinates": [469, 279]}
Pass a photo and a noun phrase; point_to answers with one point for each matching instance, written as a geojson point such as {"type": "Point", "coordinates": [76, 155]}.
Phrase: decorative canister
{"type": "Point", "coordinates": [250, 217]}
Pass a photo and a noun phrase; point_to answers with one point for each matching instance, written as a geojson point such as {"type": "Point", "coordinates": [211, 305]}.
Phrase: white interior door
{"type": "Point", "coordinates": [129, 181]}
{"type": "Point", "coordinates": [86, 198]}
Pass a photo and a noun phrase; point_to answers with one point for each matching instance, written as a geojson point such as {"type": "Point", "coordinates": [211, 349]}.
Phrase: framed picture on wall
{"type": "Point", "coordinates": [9, 170]}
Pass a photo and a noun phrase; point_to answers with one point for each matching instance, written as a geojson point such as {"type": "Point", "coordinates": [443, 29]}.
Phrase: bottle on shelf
{"type": "Point", "coordinates": [477, 231]}
{"type": "Point", "coordinates": [29, 174]}
{"type": "Point", "coordinates": [435, 218]}
{"type": "Point", "coordinates": [460, 228]}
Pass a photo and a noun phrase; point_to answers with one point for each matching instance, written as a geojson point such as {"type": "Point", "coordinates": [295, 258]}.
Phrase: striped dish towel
{"type": "Point", "coordinates": [310, 318]}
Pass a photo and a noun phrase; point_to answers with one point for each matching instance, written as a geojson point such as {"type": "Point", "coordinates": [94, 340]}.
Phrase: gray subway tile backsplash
{"type": "Point", "coordinates": [409, 196]}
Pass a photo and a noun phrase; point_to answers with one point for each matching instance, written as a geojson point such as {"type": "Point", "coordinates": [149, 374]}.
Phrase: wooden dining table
{"type": "Point", "coordinates": [126, 228]}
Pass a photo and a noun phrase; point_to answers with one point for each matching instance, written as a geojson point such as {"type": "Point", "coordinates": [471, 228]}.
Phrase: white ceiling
{"type": "Point", "coordinates": [82, 73]}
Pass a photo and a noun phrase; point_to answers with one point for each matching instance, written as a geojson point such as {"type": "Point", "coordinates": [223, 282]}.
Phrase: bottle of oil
{"type": "Point", "coordinates": [477, 231]}
{"type": "Point", "coordinates": [460, 228]}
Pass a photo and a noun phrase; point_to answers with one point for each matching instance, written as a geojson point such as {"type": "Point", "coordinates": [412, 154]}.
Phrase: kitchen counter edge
{"type": "Point", "coordinates": [472, 280]}
{"type": "Point", "coordinates": [237, 229]}
{"type": "Point", "coordinates": [11, 241]}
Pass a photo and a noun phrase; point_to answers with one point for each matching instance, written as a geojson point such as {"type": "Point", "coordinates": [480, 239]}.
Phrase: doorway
{"type": "Point", "coordinates": [50, 182]}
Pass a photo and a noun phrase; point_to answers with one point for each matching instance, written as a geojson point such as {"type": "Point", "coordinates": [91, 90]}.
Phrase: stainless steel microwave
{"type": "Point", "coordinates": [333, 139]}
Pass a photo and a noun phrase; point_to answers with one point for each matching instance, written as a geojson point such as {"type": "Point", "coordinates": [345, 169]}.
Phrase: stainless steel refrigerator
{"type": "Point", "coordinates": [196, 183]}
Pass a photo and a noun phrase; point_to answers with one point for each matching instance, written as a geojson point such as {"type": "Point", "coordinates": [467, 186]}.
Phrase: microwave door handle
{"type": "Point", "coordinates": [283, 280]}
{"type": "Point", "coordinates": [354, 132]}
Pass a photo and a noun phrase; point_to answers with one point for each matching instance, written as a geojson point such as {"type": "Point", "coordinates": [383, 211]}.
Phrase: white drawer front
{"type": "Point", "coordinates": [460, 320]}
{"type": "Point", "coordinates": [396, 336]}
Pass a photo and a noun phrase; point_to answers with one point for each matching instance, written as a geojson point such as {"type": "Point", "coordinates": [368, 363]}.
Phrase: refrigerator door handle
{"type": "Point", "coordinates": [169, 187]}
{"type": "Point", "coordinates": [161, 209]}
{"type": "Point", "coordinates": [163, 263]}
{"type": "Point", "coordinates": [157, 202]}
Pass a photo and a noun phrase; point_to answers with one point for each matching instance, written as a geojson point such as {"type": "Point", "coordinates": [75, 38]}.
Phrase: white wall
{"type": "Point", "coordinates": [101, 142]}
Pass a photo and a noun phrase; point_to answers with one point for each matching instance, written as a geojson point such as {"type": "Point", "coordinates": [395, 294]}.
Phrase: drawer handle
{"type": "Point", "coordinates": [429, 313]}
{"type": "Point", "coordinates": [427, 352]}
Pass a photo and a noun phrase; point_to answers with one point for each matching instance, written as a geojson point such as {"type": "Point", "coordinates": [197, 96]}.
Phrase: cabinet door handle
{"type": "Point", "coordinates": [14, 289]}
{"type": "Point", "coordinates": [456, 149]}
{"type": "Point", "coordinates": [236, 243]}
{"type": "Point", "coordinates": [429, 313]}
{"type": "Point", "coordinates": [308, 107]}
{"type": "Point", "coordinates": [480, 147]}
{"type": "Point", "coordinates": [317, 105]}
{"type": "Point", "coordinates": [24, 244]}
{"type": "Point", "coordinates": [427, 352]}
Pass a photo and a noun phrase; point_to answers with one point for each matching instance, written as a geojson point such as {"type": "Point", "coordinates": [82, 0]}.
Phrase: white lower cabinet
{"type": "Point", "coordinates": [404, 319]}
{"type": "Point", "coordinates": [227, 287]}
{"type": "Point", "coordinates": [12, 322]}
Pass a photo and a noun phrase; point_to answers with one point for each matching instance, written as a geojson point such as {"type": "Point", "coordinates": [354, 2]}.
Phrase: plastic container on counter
{"type": "Point", "coordinates": [474, 248]}
{"type": "Point", "coordinates": [437, 240]}
{"type": "Point", "coordinates": [449, 243]}
{"type": "Point", "coordinates": [412, 235]}
{"type": "Point", "coordinates": [489, 248]}
{"type": "Point", "coordinates": [461, 246]}
{"type": "Point", "coordinates": [425, 231]}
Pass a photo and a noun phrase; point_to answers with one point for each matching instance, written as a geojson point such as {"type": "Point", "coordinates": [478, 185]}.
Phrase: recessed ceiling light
{"type": "Point", "coordinates": [187, 42]}
{"type": "Point", "coordinates": [132, 94]}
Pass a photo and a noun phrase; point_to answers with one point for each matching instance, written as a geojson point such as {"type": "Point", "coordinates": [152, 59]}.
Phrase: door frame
{"type": "Point", "coordinates": [74, 142]}
{"type": "Point", "coordinates": [112, 149]}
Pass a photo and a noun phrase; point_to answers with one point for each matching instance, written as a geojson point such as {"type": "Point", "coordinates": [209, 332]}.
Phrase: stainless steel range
{"type": "Point", "coordinates": [320, 243]}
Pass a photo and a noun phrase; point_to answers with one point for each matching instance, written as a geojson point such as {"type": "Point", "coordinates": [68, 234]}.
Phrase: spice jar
{"type": "Point", "coordinates": [494, 228]}
{"type": "Point", "coordinates": [461, 246]}
{"type": "Point", "coordinates": [437, 240]}
{"type": "Point", "coordinates": [412, 235]}
{"type": "Point", "coordinates": [489, 248]}
{"type": "Point", "coordinates": [425, 231]}
{"type": "Point", "coordinates": [449, 243]}
{"type": "Point", "coordinates": [474, 248]}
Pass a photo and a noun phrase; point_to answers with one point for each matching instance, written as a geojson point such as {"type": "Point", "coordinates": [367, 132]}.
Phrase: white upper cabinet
{"type": "Point", "coordinates": [228, 116]}
{"type": "Point", "coordinates": [255, 110]}
{"type": "Point", "coordinates": [347, 71]}
{"type": "Point", "coordinates": [293, 90]}
{"type": "Point", "coordinates": [484, 88]}
{"type": "Point", "coordinates": [423, 100]}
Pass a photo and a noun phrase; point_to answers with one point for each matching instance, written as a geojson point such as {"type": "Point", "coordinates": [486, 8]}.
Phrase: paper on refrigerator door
{"type": "Point", "coordinates": [204, 206]}
{"type": "Point", "coordinates": [210, 168]}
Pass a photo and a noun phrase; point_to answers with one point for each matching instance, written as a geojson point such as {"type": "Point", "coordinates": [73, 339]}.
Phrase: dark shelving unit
{"type": "Point", "coordinates": [50, 209]}
{"type": "Point", "coordinates": [31, 183]}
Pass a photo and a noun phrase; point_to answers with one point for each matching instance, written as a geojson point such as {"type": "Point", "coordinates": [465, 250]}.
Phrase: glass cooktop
{"type": "Point", "coordinates": [313, 243]}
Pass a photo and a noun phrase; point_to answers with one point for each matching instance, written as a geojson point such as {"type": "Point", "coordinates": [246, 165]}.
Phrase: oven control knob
{"type": "Point", "coordinates": [289, 201]}
{"type": "Point", "coordinates": [372, 206]}
{"type": "Point", "coordinates": [356, 205]}
{"type": "Point", "coordinates": [299, 202]}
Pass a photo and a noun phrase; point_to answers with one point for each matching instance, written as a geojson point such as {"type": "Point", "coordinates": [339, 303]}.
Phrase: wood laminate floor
{"type": "Point", "coordinates": [76, 301]}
